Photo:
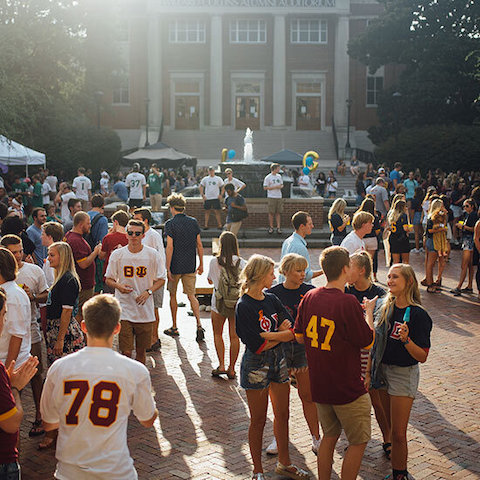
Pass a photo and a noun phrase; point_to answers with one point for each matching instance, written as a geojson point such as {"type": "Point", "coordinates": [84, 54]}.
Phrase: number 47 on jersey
{"type": "Point", "coordinates": [312, 332]}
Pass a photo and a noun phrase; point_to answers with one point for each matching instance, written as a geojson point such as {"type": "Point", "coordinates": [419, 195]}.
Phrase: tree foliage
{"type": "Point", "coordinates": [432, 40]}
{"type": "Point", "coordinates": [433, 146]}
{"type": "Point", "coordinates": [43, 63]}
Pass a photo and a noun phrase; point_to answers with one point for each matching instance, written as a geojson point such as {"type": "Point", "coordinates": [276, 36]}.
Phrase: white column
{"type": "Point", "coordinates": [341, 72]}
{"type": "Point", "coordinates": [154, 62]}
{"type": "Point", "coordinates": [279, 71]}
{"type": "Point", "coordinates": [216, 71]}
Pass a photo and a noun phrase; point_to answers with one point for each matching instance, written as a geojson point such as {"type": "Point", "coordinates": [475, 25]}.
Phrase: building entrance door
{"type": "Point", "coordinates": [187, 112]}
{"type": "Point", "coordinates": [308, 113]}
{"type": "Point", "coordinates": [247, 112]}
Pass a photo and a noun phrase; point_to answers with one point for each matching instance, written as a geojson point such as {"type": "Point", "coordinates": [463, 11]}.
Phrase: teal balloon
{"type": "Point", "coordinates": [309, 162]}
{"type": "Point", "coordinates": [306, 170]}
{"type": "Point", "coordinates": [231, 154]}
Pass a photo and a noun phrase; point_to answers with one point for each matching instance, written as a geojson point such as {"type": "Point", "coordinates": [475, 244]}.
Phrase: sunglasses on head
{"type": "Point", "coordinates": [137, 234]}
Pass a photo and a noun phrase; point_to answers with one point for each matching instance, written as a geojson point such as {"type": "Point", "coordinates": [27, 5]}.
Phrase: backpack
{"type": "Point", "coordinates": [89, 236]}
{"type": "Point", "coordinates": [228, 291]}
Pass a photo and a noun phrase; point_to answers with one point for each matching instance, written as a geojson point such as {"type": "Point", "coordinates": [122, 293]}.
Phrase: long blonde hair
{"type": "Point", "coordinates": [66, 263]}
{"type": "Point", "coordinates": [412, 293]}
{"type": "Point", "coordinates": [256, 268]}
{"type": "Point", "coordinates": [398, 208]}
{"type": "Point", "coordinates": [434, 206]}
{"type": "Point", "coordinates": [338, 206]}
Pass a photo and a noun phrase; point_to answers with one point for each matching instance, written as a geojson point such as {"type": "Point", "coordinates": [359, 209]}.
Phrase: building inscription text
{"type": "Point", "coordinates": [248, 3]}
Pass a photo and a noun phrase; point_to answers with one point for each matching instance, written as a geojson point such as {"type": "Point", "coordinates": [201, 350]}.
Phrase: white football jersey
{"type": "Point", "coordinates": [91, 393]}
{"type": "Point", "coordinates": [135, 182]}
{"type": "Point", "coordinates": [82, 185]}
{"type": "Point", "coordinates": [139, 271]}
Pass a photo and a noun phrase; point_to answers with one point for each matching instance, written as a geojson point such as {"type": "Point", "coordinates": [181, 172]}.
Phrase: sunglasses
{"type": "Point", "coordinates": [137, 234]}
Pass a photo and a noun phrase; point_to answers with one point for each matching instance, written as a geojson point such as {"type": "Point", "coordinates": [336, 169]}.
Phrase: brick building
{"type": "Point", "coordinates": [237, 63]}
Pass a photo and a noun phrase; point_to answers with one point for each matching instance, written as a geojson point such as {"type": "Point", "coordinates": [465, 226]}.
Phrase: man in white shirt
{"type": "Point", "coordinates": [273, 184]}
{"type": "Point", "coordinates": [362, 224]}
{"type": "Point", "coordinates": [30, 277]}
{"type": "Point", "coordinates": [137, 185]}
{"type": "Point", "coordinates": [46, 190]}
{"type": "Point", "coordinates": [382, 204]}
{"type": "Point", "coordinates": [238, 184]}
{"type": "Point", "coordinates": [15, 340]}
{"type": "Point", "coordinates": [82, 186]}
{"type": "Point", "coordinates": [64, 194]}
{"type": "Point", "coordinates": [52, 181]}
{"type": "Point", "coordinates": [135, 272]}
{"type": "Point", "coordinates": [89, 395]}
{"type": "Point", "coordinates": [154, 240]}
{"type": "Point", "coordinates": [211, 190]}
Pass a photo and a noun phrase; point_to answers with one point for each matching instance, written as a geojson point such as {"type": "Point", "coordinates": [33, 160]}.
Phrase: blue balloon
{"type": "Point", "coordinates": [231, 154]}
{"type": "Point", "coordinates": [309, 161]}
{"type": "Point", "coordinates": [306, 170]}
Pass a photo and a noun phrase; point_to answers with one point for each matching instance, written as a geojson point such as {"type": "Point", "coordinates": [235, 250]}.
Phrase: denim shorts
{"type": "Point", "coordinates": [257, 371]}
{"type": "Point", "coordinates": [429, 245]}
{"type": "Point", "coordinates": [295, 355]}
{"type": "Point", "coordinates": [400, 381]}
{"type": "Point", "coordinates": [10, 471]}
{"type": "Point", "coordinates": [417, 218]}
{"type": "Point", "coordinates": [467, 242]}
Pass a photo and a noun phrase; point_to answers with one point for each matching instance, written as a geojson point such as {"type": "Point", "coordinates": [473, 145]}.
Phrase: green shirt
{"type": "Point", "coordinates": [155, 183]}
{"type": "Point", "coordinates": [37, 199]}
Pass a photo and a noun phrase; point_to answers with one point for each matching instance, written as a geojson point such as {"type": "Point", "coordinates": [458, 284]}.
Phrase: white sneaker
{"type": "Point", "coordinates": [414, 250]}
{"type": "Point", "coordinates": [208, 308]}
{"type": "Point", "coordinates": [421, 250]}
{"type": "Point", "coordinates": [315, 444]}
{"type": "Point", "coordinates": [202, 308]}
{"type": "Point", "coordinates": [272, 448]}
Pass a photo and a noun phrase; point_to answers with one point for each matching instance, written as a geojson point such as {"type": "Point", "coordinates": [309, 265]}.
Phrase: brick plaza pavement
{"type": "Point", "coordinates": [202, 429]}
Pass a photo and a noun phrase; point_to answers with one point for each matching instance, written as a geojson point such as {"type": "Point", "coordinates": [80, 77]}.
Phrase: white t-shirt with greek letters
{"type": "Point", "coordinates": [139, 271]}
{"type": "Point", "coordinates": [273, 179]}
{"type": "Point", "coordinates": [212, 186]}
{"type": "Point", "coordinates": [91, 393]}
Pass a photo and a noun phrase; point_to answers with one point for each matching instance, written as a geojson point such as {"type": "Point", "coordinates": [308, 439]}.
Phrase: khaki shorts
{"type": "Point", "coordinates": [188, 282]}
{"type": "Point", "coordinates": [275, 205]}
{"type": "Point", "coordinates": [352, 417]}
{"type": "Point", "coordinates": [140, 332]}
{"type": "Point", "coordinates": [158, 298]}
{"type": "Point", "coordinates": [233, 227]}
{"type": "Point", "coordinates": [156, 201]}
{"type": "Point", "coordinates": [36, 351]}
{"type": "Point", "coordinates": [83, 296]}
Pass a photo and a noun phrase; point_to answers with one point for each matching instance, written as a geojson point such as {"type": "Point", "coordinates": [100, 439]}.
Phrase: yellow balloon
{"type": "Point", "coordinates": [313, 154]}
{"type": "Point", "coordinates": [224, 154]}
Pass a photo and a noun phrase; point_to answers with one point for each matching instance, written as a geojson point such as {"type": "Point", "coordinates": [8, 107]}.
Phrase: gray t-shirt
{"type": "Point", "coordinates": [381, 195]}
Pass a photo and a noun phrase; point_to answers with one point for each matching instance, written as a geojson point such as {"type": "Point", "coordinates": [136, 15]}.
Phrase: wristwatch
{"type": "Point", "coordinates": [149, 292]}
{"type": "Point", "coordinates": [407, 341]}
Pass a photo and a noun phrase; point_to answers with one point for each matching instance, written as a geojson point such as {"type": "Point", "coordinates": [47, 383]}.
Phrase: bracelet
{"type": "Point", "coordinates": [407, 341]}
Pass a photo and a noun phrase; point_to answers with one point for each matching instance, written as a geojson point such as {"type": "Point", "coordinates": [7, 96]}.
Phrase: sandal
{"type": "Point", "coordinates": [231, 375]}
{"type": "Point", "coordinates": [37, 429]}
{"type": "Point", "coordinates": [217, 372]}
{"type": "Point", "coordinates": [270, 230]}
{"type": "Point", "coordinates": [467, 290]}
{"type": "Point", "coordinates": [432, 289]}
{"type": "Point", "coordinates": [258, 476]}
{"type": "Point", "coordinates": [172, 332]}
{"type": "Point", "coordinates": [438, 283]}
{"type": "Point", "coordinates": [291, 471]}
{"type": "Point", "coordinates": [424, 282]}
{"type": "Point", "coordinates": [387, 448]}
{"type": "Point", "coordinates": [50, 440]}
{"type": "Point", "coordinates": [279, 231]}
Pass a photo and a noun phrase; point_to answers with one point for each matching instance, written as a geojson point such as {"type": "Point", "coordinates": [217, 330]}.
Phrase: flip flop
{"type": "Point", "coordinates": [231, 376]}
{"type": "Point", "coordinates": [37, 429]}
{"type": "Point", "coordinates": [217, 372]}
{"type": "Point", "coordinates": [172, 332]}
{"type": "Point", "coordinates": [387, 448]}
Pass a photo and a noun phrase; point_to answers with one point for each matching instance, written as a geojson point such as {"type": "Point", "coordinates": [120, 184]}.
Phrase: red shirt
{"type": "Point", "coordinates": [81, 250]}
{"type": "Point", "coordinates": [8, 441]}
{"type": "Point", "coordinates": [110, 243]}
{"type": "Point", "coordinates": [334, 330]}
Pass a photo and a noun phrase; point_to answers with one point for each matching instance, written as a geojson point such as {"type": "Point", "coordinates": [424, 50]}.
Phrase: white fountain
{"type": "Point", "coordinates": [248, 146]}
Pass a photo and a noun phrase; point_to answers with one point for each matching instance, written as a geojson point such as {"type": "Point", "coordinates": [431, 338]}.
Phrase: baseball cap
{"type": "Point", "coordinates": [228, 170]}
{"type": "Point", "coordinates": [381, 170]}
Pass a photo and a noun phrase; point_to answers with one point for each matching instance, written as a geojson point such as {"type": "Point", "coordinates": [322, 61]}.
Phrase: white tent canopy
{"type": "Point", "coordinates": [13, 153]}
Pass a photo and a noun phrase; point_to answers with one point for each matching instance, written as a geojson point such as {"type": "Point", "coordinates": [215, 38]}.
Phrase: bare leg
{"type": "Point", "coordinates": [217, 324]}
{"type": "Point", "coordinates": [396, 257]}
{"type": "Point", "coordinates": [399, 414]}
{"type": "Point", "coordinates": [270, 220]}
{"type": "Point", "coordinates": [441, 266]}
{"type": "Point", "coordinates": [470, 271]}
{"type": "Point", "coordinates": [352, 461]}
{"type": "Point", "coordinates": [431, 259]}
{"type": "Point", "coordinates": [381, 415]}
{"type": "Point", "coordinates": [195, 307]}
{"type": "Point", "coordinates": [173, 308]}
{"type": "Point", "coordinates": [257, 404]}
{"type": "Point", "coordinates": [219, 218]}
{"type": "Point", "coordinates": [309, 408]}
{"type": "Point", "coordinates": [280, 396]}
{"type": "Point", "coordinates": [234, 345]}
{"type": "Point", "coordinates": [466, 260]}
{"type": "Point", "coordinates": [325, 457]}
{"type": "Point", "coordinates": [127, 353]}
{"type": "Point", "coordinates": [277, 217]}
{"type": "Point", "coordinates": [207, 216]}
{"type": "Point", "coordinates": [405, 258]}
{"type": "Point", "coordinates": [155, 326]}
{"type": "Point", "coordinates": [37, 386]}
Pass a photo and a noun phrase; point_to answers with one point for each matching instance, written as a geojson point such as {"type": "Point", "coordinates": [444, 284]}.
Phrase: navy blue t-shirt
{"type": "Point", "coordinates": [183, 230]}
{"type": "Point", "coordinates": [419, 325]}
{"type": "Point", "coordinates": [337, 221]}
{"type": "Point", "coordinates": [376, 227]}
{"type": "Point", "coordinates": [232, 212]}
{"type": "Point", "coordinates": [252, 317]}
{"type": "Point", "coordinates": [370, 292]}
{"type": "Point", "coordinates": [290, 298]}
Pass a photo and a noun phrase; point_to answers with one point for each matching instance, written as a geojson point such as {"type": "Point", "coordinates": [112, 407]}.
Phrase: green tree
{"type": "Point", "coordinates": [432, 41]}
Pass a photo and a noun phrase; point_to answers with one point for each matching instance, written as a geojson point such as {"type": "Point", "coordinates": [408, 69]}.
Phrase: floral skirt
{"type": "Point", "coordinates": [74, 339]}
